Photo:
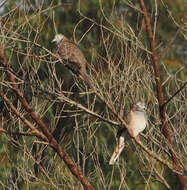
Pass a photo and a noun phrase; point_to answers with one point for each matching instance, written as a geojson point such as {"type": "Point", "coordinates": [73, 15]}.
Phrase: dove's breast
{"type": "Point", "coordinates": [138, 122]}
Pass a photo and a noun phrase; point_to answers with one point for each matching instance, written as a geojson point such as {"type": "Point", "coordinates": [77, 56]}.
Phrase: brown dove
{"type": "Point", "coordinates": [72, 57]}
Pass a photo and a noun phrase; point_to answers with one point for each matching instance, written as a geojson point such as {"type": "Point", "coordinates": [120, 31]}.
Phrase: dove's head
{"type": "Point", "coordinates": [140, 106]}
{"type": "Point", "coordinates": [58, 38]}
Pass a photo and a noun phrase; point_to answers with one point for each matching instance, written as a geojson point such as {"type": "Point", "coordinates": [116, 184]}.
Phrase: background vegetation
{"type": "Point", "coordinates": [112, 35]}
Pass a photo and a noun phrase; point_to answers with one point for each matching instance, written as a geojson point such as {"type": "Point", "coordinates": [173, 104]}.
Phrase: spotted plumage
{"type": "Point", "coordinates": [72, 57]}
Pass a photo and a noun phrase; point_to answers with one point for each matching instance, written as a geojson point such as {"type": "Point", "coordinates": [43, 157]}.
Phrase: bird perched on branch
{"type": "Point", "coordinates": [136, 121]}
{"type": "Point", "coordinates": [72, 57]}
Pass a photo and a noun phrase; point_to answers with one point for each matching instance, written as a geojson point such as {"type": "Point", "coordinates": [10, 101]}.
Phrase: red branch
{"type": "Point", "coordinates": [52, 142]}
{"type": "Point", "coordinates": [166, 131]}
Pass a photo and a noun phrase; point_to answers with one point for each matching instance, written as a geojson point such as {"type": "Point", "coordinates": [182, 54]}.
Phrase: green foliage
{"type": "Point", "coordinates": [113, 38]}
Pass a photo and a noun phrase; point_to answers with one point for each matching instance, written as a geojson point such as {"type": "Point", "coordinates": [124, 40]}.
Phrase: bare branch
{"type": "Point", "coordinates": [160, 93]}
{"type": "Point", "coordinates": [3, 2]}
{"type": "Point", "coordinates": [11, 106]}
{"type": "Point", "coordinates": [52, 142]}
{"type": "Point", "coordinates": [180, 89]}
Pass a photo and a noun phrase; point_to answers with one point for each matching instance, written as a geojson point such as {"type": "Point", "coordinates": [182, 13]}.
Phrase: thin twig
{"type": "Point", "coordinates": [19, 133]}
{"type": "Point", "coordinates": [51, 140]}
{"type": "Point", "coordinates": [2, 3]}
{"type": "Point", "coordinates": [160, 98]}
{"type": "Point", "coordinates": [18, 114]}
{"type": "Point", "coordinates": [180, 89]}
{"type": "Point", "coordinates": [59, 96]}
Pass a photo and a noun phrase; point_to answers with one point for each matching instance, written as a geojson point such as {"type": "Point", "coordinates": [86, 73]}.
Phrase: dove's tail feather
{"type": "Point", "coordinates": [87, 80]}
{"type": "Point", "coordinates": [117, 151]}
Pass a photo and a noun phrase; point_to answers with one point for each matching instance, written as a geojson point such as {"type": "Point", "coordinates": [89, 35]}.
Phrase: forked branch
{"type": "Point", "coordinates": [166, 127]}
{"type": "Point", "coordinates": [50, 139]}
